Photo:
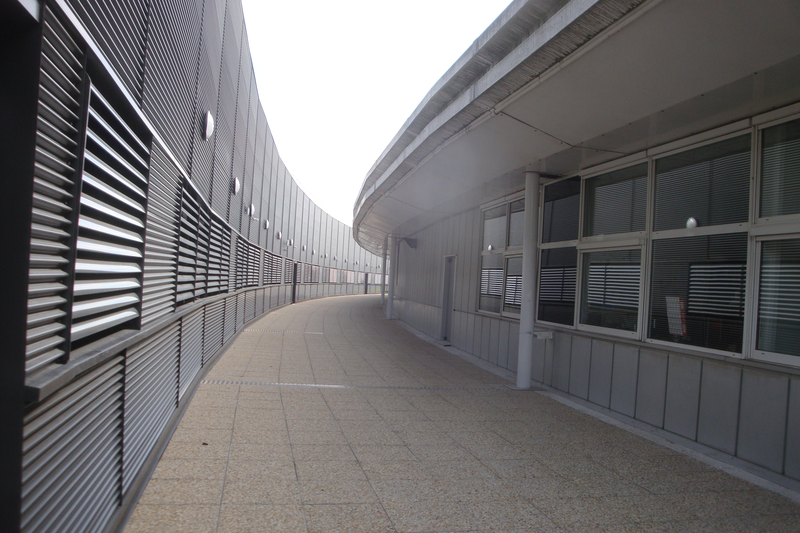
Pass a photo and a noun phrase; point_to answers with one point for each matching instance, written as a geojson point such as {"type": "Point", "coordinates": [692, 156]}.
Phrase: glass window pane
{"type": "Point", "coordinates": [780, 170]}
{"type": "Point", "coordinates": [562, 202]}
{"type": "Point", "coordinates": [616, 202]}
{"type": "Point", "coordinates": [494, 228]}
{"type": "Point", "coordinates": [710, 184]}
{"type": "Point", "coordinates": [491, 282]}
{"type": "Point", "coordinates": [557, 285]}
{"type": "Point", "coordinates": [516, 223]}
{"type": "Point", "coordinates": [610, 289]}
{"type": "Point", "coordinates": [698, 290]}
{"type": "Point", "coordinates": [779, 298]}
{"type": "Point", "coordinates": [512, 298]}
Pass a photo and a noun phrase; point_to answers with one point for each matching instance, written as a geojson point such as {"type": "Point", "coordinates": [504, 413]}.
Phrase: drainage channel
{"type": "Point", "coordinates": [499, 386]}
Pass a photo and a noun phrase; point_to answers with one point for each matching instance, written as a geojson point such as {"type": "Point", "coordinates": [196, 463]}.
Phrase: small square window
{"type": "Point", "coordinates": [616, 202]}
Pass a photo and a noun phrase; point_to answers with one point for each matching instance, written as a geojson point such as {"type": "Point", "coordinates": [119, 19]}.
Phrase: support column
{"type": "Point", "coordinates": [530, 257]}
{"type": "Point", "coordinates": [383, 269]}
{"type": "Point", "coordinates": [392, 277]}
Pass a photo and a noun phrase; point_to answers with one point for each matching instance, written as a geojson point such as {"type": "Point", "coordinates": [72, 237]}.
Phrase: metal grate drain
{"type": "Point", "coordinates": [499, 386]}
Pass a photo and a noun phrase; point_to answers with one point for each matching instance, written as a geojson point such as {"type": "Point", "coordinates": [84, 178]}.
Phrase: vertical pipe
{"type": "Point", "coordinates": [383, 270]}
{"type": "Point", "coordinates": [530, 256]}
{"type": "Point", "coordinates": [392, 277]}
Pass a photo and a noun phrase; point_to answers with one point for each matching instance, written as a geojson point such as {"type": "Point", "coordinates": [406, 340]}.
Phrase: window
{"type": "Point", "coordinates": [558, 266]}
{"type": "Point", "coordinates": [780, 170]}
{"type": "Point", "coordinates": [778, 328]}
{"type": "Point", "coordinates": [616, 202]}
{"type": "Point", "coordinates": [610, 289]}
{"type": "Point", "coordinates": [501, 262]}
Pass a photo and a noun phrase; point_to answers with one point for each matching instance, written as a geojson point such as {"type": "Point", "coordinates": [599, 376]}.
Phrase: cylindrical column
{"type": "Point", "coordinates": [530, 256]}
{"type": "Point", "coordinates": [383, 269]}
{"type": "Point", "coordinates": [392, 277]}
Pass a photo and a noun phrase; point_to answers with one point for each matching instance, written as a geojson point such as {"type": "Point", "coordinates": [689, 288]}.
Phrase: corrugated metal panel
{"type": "Point", "coordinates": [212, 329]}
{"type": "Point", "coordinates": [288, 269]}
{"type": "Point", "coordinates": [230, 318]}
{"type": "Point", "coordinates": [57, 134]}
{"type": "Point", "coordinates": [119, 29]}
{"type": "Point", "coordinates": [170, 73]}
{"type": "Point", "coordinates": [191, 348]}
{"type": "Point", "coordinates": [240, 310]}
{"type": "Point", "coordinates": [72, 447]}
{"type": "Point", "coordinates": [161, 238]}
{"type": "Point", "coordinates": [151, 392]}
{"type": "Point", "coordinates": [108, 271]}
{"type": "Point", "coordinates": [250, 305]}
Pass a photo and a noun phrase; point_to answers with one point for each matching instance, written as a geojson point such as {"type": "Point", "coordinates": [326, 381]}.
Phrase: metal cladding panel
{"type": "Point", "coordinates": [151, 394]}
{"type": "Point", "coordinates": [683, 395]}
{"type": "Point", "coordinates": [250, 305]}
{"type": "Point", "coordinates": [260, 295]}
{"type": "Point", "coordinates": [230, 318]}
{"type": "Point", "coordinates": [652, 384]}
{"type": "Point", "coordinates": [792, 466]}
{"type": "Point", "coordinates": [72, 451]}
{"type": "Point", "coordinates": [170, 72]}
{"type": "Point", "coordinates": [240, 310]}
{"type": "Point", "coordinates": [191, 349]}
{"type": "Point", "coordinates": [719, 406]}
{"type": "Point", "coordinates": [579, 367]}
{"type": "Point", "coordinates": [562, 352]}
{"type": "Point", "coordinates": [161, 238]}
{"type": "Point", "coordinates": [206, 102]}
{"type": "Point", "coordinates": [190, 236]}
{"type": "Point", "coordinates": [624, 378]}
{"type": "Point", "coordinates": [243, 145]}
{"type": "Point", "coordinates": [214, 317]}
{"type": "Point", "coordinates": [110, 246]}
{"type": "Point", "coordinates": [600, 372]}
{"type": "Point", "coordinates": [762, 419]}
{"type": "Point", "coordinates": [58, 128]}
{"type": "Point", "coordinates": [494, 333]}
{"type": "Point", "coordinates": [513, 346]}
{"type": "Point", "coordinates": [120, 30]}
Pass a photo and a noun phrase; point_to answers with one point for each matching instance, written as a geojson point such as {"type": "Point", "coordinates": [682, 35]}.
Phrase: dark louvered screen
{"type": "Point", "coordinates": [212, 329]}
{"type": "Point", "coordinates": [780, 170]}
{"type": "Point", "coordinates": [108, 270]}
{"type": "Point", "coordinates": [288, 270]}
{"type": "Point", "coordinates": [187, 257]}
{"type": "Point", "coordinates": [57, 156]}
{"type": "Point", "coordinates": [72, 454]}
{"type": "Point", "coordinates": [191, 348]}
{"type": "Point", "coordinates": [151, 394]}
{"type": "Point", "coordinates": [119, 28]}
{"type": "Point", "coordinates": [161, 238]}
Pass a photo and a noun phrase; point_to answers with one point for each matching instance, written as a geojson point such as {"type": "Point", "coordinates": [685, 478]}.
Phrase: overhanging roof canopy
{"type": "Point", "coordinates": [556, 86]}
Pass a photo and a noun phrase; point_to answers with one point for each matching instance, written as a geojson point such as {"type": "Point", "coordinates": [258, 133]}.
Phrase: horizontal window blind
{"type": "Point", "coordinates": [780, 170]}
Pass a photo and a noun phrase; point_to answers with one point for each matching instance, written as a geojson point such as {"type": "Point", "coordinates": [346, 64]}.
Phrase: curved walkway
{"type": "Point", "coordinates": [324, 417]}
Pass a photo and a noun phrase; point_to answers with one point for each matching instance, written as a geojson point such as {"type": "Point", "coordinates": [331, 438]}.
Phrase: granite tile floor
{"type": "Point", "coordinates": [325, 417]}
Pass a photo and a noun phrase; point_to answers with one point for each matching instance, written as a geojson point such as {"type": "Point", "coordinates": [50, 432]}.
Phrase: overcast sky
{"type": "Point", "coordinates": [338, 79]}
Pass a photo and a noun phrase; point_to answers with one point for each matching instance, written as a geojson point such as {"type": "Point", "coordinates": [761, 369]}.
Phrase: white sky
{"type": "Point", "coordinates": [338, 79]}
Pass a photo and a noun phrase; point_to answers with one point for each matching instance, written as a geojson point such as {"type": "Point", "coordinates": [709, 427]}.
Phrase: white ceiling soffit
{"type": "Point", "coordinates": [666, 70]}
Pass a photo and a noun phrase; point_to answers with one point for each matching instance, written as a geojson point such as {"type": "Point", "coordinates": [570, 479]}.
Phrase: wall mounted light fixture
{"type": "Point", "coordinates": [209, 129]}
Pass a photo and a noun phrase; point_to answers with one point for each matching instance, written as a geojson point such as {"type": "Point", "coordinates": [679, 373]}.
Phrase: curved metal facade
{"type": "Point", "coordinates": [152, 238]}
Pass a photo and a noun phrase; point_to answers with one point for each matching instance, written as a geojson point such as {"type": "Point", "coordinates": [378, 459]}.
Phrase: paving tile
{"type": "Point", "coordinates": [182, 491]}
{"type": "Point", "coordinates": [333, 491]}
{"type": "Point", "coordinates": [261, 518]}
{"type": "Point", "coordinates": [363, 518]}
{"type": "Point", "coordinates": [174, 518]}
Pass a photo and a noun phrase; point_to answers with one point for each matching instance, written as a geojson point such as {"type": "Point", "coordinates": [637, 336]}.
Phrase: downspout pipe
{"type": "Point", "coordinates": [392, 277]}
{"type": "Point", "coordinates": [383, 270]}
{"type": "Point", "coordinates": [530, 257]}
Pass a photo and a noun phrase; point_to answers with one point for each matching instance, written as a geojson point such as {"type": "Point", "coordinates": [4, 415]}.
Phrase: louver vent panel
{"type": "Point", "coordinates": [151, 391]}
{"type": "Point", "coordinates": [191, 348]}
{"type": "Point", "coordinates": [212, 333]}
{"type": "Point", "coordinates": [161, 238]}
{"type": "Point", "coordinates": [240, 310]}
{"type": "Point", "coordinates": [72, 454]}
{"type": "Point", "coordinates": [288, 267]}
{"type": "Point", "coordinates": [108, 270]}
{"type": "Point", "coordinates": [241, 263]}
{"type": "Point", "coordinates": [119, 28]}
{"type": "Point", "coordinates": [219, 257]}
{"type": "Point", "coordinates": [306, 270]}
{"type": "Point", "coordinates": [201, 260]}
{"type": "Point", "coordinates": [273, 266]}
{"type": "Point", "coordinates": [60, 80]}
{"type": "Point", "coordinates": [187, 256]}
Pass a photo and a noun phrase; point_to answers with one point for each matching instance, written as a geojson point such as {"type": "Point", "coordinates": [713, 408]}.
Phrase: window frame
{"type": "Point", "coordinates": [506, 253]}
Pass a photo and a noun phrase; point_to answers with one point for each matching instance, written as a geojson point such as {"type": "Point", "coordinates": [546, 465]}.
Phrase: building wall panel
{"type": "Point", "coordinates": [762, 421]}
{"type": "Point", "coordinates": [719, 406]}
{"type": "Point", "coordinates": [601, 371]}
{"type": "Point", "coordinates": [682, 396]}
{"type": "Point", "coordinates": [652, 384]}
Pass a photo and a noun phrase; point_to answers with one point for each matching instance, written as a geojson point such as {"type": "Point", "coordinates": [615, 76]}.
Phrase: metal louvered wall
{"type": "Point", "coordinates": [110, 246]}
{"type": "Point", "coordinates": [57, 156]}
{"type": "Point", "coordinates": [130, 248]}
